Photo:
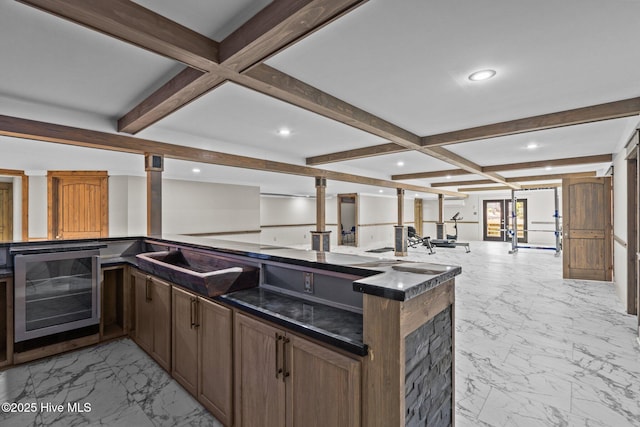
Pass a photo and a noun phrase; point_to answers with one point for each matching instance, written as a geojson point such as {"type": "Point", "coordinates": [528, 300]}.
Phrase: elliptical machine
{"type": "Point", "coordinates": [451, 240]}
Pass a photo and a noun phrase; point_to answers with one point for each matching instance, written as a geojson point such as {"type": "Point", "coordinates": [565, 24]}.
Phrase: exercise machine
{"type": "Point", "coordinates": [451, 240]}
{"type": "Point", "coordinates": [514, 222]}
{"type": "Point", "coordinates": [413, 240]}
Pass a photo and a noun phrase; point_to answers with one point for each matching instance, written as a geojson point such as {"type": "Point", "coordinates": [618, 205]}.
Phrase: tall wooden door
{"type": "Point", "coordinates": [6, 211]}
{"type": "Point", "coordinates": [587, 228]}
{"type": "Point", "coordinates": [418, 216]}
{"type": "Point", "coordinates": [78, 205]}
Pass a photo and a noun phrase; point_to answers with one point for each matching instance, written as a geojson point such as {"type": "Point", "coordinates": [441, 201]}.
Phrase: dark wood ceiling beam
{"type": "Point", "coordinates": [273, 30]}
{"type": "Point", "coordinates": [571, 161]}
{"type": "Point", "coordinates": [278, 25]}
{"type": "Point", "coordinates": [517, 179]}
{"type": "Point", "coordinates": [269, 81]}
{"type": "Point", "coordinates": [432, 174]}
{"type": "Point", "coordinates": [187, 86]}
{"type": "Point", "coordinates": [130, 22]}
{"type": "Point", "coordinates": [49, 132]}
{"type": "Point", "coordinates": [357, 153]}
{"type": "Point", "coordinates": [455, 183]}
{"type": "Point", "coordinates": [499, 188]}
{"type": "Point", "coordinates": [593, 113]}
{"type": "Point", "coordinates": [450, 157]}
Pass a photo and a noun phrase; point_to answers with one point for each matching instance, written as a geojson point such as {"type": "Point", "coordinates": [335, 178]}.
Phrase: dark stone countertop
{"type": "Point", "coordinates": [6, 272]}
{"type": "Point", "coordinates": [380, 277]}
{"type": "Point", "coordinates": [334, 326]}
{"type": "Point", "coordinates": [399, 280]}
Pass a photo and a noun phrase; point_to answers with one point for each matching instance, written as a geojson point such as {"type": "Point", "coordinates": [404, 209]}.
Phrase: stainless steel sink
{"type": "Point", "coordinates": [206, 274]}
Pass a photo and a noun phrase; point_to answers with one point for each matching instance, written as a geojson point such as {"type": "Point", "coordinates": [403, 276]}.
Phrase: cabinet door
{"type": "Point", "coordinates": [162, 323]}
{"type": "Point", "coordinates": [144, 312]}
{"type": "Point", "coordinates": [259, 387]}
{"type": "Point", "coordinates": [184, 366]}
{"type": "Point", "coordinates": [216, 365]}
{"type": "Point", "coordinates": [323, 388]}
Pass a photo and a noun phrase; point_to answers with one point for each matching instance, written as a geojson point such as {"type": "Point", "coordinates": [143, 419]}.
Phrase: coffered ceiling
{"type": "Point", "coordinates": [340, 75]}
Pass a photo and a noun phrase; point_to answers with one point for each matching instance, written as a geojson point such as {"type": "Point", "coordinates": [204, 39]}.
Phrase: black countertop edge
{"type": "Point", "coordinates": [55, 247]}
{"type": "Point", "coordinates": [326, 337]}
{"type": "Point", "coordinates": [413, 291]}
{"type": "Point", "coordinates": [6, 272]}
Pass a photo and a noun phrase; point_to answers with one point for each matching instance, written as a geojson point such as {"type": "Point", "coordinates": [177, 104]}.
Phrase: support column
{"type": "Point", "coordinates": [321, 238]}
{"type": "Point", "coordinates": [400, 231]}
{"type": "Point", "coordinates": [154, 165]}
{"type": "Point", "coordinates": [440, 234]}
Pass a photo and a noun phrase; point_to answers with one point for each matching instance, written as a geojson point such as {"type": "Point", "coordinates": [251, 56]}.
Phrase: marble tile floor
{"type": "Point", "coordinates": [531, 350]}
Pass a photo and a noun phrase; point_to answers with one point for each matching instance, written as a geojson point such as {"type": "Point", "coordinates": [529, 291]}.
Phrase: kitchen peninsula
{"type": "Point", "coordinates": [304, 338]}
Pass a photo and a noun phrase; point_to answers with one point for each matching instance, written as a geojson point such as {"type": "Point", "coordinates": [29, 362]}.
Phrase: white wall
{"type": "Point", "coordinates": [289, 220]}
{"type": "Point", "coordinates": [37, 205]}
{"type": "Point", "coordinates": [620, 226]}
{"type": "Point", "coordinates": [201, 207]}
{"type": "Point", "coordinates": [376, 217]}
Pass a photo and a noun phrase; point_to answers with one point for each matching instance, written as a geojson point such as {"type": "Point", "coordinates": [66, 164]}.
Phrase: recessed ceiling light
{"type": "Point", "coordinates": [482, 75]}
{"type": "Point", "coordinates": [532, 146]}
{"type": "Point", "coordinates": [548, 168]}
{"type": "Point", "coordinates": [400, 163]}
{"type": "Point", "coordinates": [284, 132]}
{"type": "Point", "coordinates": [195, 170]}
{"type": "Point", "coordinates": [380, 191]}
{"type": "Point", "coordinates": [448, 176]}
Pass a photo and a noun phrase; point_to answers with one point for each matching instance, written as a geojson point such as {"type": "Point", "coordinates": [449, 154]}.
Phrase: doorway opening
{"type": "Point", "coordinates": [78, 204]}
{"type": "Point", "coordinates": [6, 209]}
{"type": "Point", "coordinates": [347, 219]}
{"type": "Point", "coordinates": [497, 220]}
{"type": "Point", "coordinates": [14, 206]}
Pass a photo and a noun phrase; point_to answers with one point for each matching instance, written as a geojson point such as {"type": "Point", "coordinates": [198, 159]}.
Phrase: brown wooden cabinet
{"type": "Point", "coordinates": [285, 380]}
{"type": "Point", "coordinates": [153, 317]}
{"type": "Point", "coordinates": [202, 351]}
{"type": "Point", "coordinates": [6, 321]}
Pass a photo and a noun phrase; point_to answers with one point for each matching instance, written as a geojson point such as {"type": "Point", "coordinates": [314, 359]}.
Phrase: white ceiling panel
{"type": "Point", "coordinates": [49, 60]}
{"type": "Point", "coordinates": [215, 19]}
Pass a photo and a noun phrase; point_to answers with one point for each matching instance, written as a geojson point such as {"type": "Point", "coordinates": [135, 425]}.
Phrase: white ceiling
{"type": "Point", "coordinates": [406, 62]}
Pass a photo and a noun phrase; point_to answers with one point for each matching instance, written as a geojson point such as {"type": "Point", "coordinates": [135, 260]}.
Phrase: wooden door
{"type": "Point", "coordinates": [259, 387]}
{"type": "Point", "coordinates": [587, 228]}
{"type": "Point", "coordinates": [323, 388]}
{"type": "Point", "coordinates": [143, 313]}
{"type": "Point", "coordinates": [6, 211]}
{"type": "Point", "coordinates": [184, 366]}
{"type": "Point", "coordinates": [215, 390]}
{"type": "Point", "coordinates": [161, 294]}
{"type": "Point", "coordinates": [418, 216]}
{"type": "Point", "coordinates": [78, 205]}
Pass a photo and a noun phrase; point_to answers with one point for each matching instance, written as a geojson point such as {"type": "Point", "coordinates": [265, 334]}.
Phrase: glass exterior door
{"type": "Point", "coordinates": [494, 220]}
{"type": "Point", "coordinates": [497, 219]}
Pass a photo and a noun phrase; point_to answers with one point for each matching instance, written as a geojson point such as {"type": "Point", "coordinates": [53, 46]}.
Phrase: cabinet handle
{"type": "Point", "coordinates": [285, 372]}
{"type": "Point", "coordinates": [195, 308]}
{"type": "Point", "coordinates": [192, 312]}
{"type": "Point", "coordinates": [278, 340]}
{"type": "Point", "coordinates": [147, 289]}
